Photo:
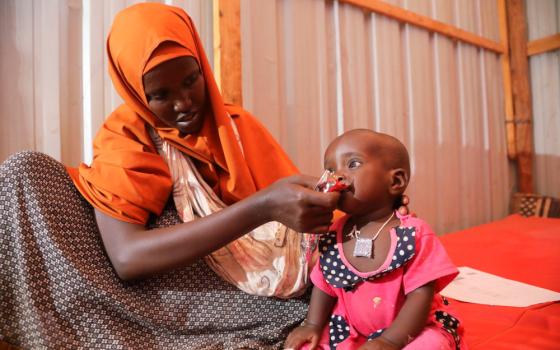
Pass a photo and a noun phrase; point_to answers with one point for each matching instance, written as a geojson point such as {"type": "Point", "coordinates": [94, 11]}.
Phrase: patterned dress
{"type": "Point", "coordinates": [368, 302]}
{"type": "Point", "coordinates": [58, 289]}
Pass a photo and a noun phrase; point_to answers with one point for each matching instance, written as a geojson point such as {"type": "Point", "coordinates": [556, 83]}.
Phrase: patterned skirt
{"type": "Point", "coordinates": [58, 289]}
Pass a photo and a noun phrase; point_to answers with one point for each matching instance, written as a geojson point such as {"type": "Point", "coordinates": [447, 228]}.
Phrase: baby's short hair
{"type": "Point", "coordinates": [392, 150]}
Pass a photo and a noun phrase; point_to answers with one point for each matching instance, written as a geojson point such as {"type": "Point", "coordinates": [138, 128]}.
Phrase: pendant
{"type": "Point", "coordinates": [363, 248]}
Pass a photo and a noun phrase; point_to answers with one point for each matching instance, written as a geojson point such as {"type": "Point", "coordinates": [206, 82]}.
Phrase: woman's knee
{"type": "Point", "coordinates": [28, 163]}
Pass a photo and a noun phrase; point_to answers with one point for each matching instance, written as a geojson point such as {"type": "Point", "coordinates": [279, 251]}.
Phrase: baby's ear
{"type": "Point", "coordinates": [399, 181]}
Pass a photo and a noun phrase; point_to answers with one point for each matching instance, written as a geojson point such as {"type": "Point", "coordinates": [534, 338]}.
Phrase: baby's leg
{"type": "Point", "coordinates": [432, 337]}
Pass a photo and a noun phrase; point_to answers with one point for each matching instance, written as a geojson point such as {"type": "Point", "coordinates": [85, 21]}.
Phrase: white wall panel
{"type": "Point", "coordinates": [17, 108]}
{"type": "Point", "coordinates": [355, 62]}
{"type": "Point", "coordinates": [289, 74]}
{"type": "Point", "coordinates": [421, 87]}
{"type": "Point", "coordinates": [448, 119]}
{"type": "Point", "coordinates": [543, 18]}
{"type": "Point", "coordinates": [71, 123]}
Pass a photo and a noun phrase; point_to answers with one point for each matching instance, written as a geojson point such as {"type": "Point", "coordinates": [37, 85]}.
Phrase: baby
{"type": "Point", "coordinates": [377, 280]}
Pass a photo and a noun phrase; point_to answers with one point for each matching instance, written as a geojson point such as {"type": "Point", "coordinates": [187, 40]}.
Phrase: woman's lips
{"type": "Point", "coordinates": [185, 117]}
{"type": "Point", "coordinates": [188, 123]}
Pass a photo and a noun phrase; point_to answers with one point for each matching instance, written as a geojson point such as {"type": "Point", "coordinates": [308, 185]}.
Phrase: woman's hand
{"type": "Point", "coordinates": [294, 202]}
{"type": "Point", "coordinates": [302, 335]}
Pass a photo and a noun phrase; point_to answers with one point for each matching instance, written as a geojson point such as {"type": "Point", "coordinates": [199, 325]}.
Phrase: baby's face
{"type": "Point", "coordinates": [354, 156]}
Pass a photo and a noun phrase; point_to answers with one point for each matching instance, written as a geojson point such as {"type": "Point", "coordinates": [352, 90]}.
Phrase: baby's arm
{"type": "Point", "coordinates": [409, 322]}
{"type": "Point", "coordinates": [310, 331]}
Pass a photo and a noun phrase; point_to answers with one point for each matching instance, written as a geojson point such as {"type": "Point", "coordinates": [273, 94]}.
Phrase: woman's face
{"type": "Point", "coordinates": [176, 94]}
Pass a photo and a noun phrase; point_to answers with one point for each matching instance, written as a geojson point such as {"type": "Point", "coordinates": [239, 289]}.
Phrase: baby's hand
{"type": "Point", "coordinates": [302, 335]}
{"type": "Point", "coordinates": [379, 344]}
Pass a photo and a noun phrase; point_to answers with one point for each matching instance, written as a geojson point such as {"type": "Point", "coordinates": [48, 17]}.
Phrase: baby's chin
{"type": "Point", "coordinates": [347, 205]}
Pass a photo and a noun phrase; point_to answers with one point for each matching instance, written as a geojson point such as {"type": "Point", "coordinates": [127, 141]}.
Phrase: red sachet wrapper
{"type": "Point", "coordinates": [330, 182]}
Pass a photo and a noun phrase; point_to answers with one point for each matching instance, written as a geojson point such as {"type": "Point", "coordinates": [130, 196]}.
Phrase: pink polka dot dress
{"type": "Point", "coordinates": [368, 302]}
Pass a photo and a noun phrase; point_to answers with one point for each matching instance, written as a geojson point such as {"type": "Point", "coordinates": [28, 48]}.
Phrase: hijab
{"type": "Point", "coordinates": [128, 179]}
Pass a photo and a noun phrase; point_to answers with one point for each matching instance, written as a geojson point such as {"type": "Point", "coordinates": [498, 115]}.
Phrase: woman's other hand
{"type": "Point", "coordinates": [294, 202]}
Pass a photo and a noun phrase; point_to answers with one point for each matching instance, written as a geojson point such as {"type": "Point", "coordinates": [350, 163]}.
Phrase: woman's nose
{"type": "Point", "coordinates": [182, 103]}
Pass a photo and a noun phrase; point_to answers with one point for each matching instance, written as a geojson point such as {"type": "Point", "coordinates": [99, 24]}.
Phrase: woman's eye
{"type": "Point", "coordinates": [354, 164]}
{"type": "Point", "coordinates": [191, 79]}
{"type": "Point", "coordinates": [157, 97]}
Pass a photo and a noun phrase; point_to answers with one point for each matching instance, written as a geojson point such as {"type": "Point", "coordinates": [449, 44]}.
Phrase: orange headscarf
{"type": "Point", "coordinates": [127, 178]}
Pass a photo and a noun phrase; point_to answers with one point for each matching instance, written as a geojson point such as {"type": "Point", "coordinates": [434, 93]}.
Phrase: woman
{"type": "Point", "coordinates": [62, 291]}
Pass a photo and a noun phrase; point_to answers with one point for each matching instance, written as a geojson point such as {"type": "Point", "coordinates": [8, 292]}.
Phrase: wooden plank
{"type": "Point", "coordinates": [546, 44]}
{"type": "Point", "coordinates": [521, 89]}
{"type": "Point", "coordinates": [230, 51]}
{"type": "Point", "coordinates": [428, 23]}
{"type": "Point", "coordinates": [506, 75]}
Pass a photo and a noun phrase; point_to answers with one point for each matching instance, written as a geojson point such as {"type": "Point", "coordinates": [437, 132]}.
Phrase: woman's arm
{"type": "Point", "coordinates": [137, 252]}
{"type": "Point", "coordinates": [411, 318]}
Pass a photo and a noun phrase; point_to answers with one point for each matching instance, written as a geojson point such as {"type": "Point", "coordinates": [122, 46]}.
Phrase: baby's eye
{"type": "Point", "coordinates": [353, 163]}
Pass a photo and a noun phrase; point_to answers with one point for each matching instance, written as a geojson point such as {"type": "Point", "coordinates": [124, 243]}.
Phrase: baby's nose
{"type": "Point", "coordinates": [344, 179]}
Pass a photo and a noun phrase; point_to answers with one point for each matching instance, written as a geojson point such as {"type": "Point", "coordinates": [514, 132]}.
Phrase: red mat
{"type": "Point", "coordinates": [522, 249]}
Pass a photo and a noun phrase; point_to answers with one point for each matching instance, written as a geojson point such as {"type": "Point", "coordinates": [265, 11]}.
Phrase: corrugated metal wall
{"type": "Point", "coordinates": [311, 69]}
{"type": "Point", "coordinates": [543, 17]}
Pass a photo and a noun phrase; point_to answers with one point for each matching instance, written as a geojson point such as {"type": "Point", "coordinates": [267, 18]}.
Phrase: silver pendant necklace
{"type": "Point", "coordinates": [364, 246]}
